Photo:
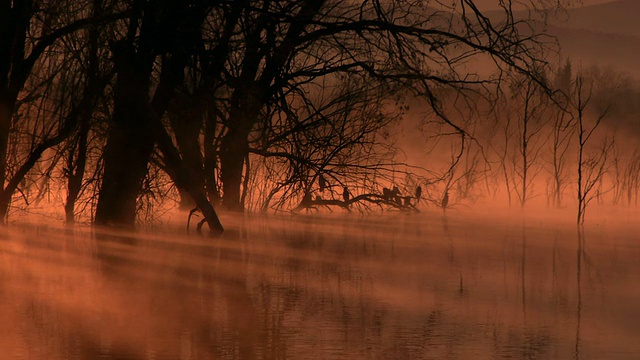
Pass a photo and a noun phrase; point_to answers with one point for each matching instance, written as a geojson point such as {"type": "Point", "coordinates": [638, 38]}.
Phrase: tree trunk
{"type": "Point", "coordinates": [184, 178]}
{"type": "Point", "coordinates": [5, 202]}
{"type": "Point", "coordinates": [76, 174]}
{"type": "Point", "coordinates": [91, 92]}
{"type": "Point", "coordinates": [186, 202]}
{"type": "Point", "coordinates": [129, 142]}
{"type": "Point", "coordinates": [126, 157]}
{"type": "Point", "coordinates": [209, 213]}
{"type": "Point", "coordinates": [186, 127]}
{"type": "Point", "coordinates": [234, 147]}
{"type": "Point", "coordinates": [211, 160]}
{"type": "Point", "coordinates": [234, 150]}
{"type": "Point", "coordinates": [125, 162]}
{"type": "Point", "coordinates": [6, 114]}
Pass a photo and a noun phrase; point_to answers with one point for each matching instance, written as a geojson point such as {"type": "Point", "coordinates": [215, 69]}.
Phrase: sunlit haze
{"type": "Point", "coordinates": [494, 4]}
{"type": "Point", "coordinates": [303, 179]}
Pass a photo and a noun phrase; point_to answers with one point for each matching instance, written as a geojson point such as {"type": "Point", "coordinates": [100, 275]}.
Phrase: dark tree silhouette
{"type": "Point", "coordinates": [22, 53]}
{"type": "Point", "coordinates": [260, 102]}
{"type": "Point", "coordinates": [591, 166]}
{"type": "Point", "coordinates": [445, 201]}
{"type": "Point", "coordinates": [166, 31]}
{"type": "Point", "coordinates": [283, 51]}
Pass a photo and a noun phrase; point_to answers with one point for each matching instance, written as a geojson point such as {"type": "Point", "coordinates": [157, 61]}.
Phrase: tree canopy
{"type": "Point", "coordinates": [242, 104]}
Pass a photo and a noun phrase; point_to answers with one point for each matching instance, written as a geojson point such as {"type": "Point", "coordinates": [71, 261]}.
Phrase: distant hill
{"type": "Point", "coordinates": [606, 34]}
{"type": "Point", "coordinates": [618, 17]}
{"type": "Point", "coordinates": [619, 51]}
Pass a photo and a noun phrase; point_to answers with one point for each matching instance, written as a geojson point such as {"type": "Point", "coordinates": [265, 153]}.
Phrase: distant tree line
{"type": "Point", "coordinates": [577, 142]}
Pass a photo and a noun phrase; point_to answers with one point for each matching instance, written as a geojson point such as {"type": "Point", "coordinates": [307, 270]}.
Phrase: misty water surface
{"type": "Point", "coordinates": [324, 287]}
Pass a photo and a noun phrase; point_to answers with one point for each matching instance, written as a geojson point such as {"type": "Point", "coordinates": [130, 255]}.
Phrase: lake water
{"type": "Point", "coordinates": [325, 287]}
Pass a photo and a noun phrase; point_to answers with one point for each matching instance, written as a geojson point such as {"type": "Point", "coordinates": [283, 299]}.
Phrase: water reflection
{"type": "Point", "coordinates": [321, 287]}
{"type": "Point", "coordinates": [580, 253]}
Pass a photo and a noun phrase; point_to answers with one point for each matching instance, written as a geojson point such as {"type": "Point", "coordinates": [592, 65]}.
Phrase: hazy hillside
{"type": "Point", "coordinates": [592, 47]}
{"type": "Point", "coordinates": [618, 17]}
{"type": "Point", "coordinates": [606, 34]}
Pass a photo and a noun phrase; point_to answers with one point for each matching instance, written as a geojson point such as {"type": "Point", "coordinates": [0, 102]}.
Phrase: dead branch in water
{"type": "Point", "coordinates": [375, 199]}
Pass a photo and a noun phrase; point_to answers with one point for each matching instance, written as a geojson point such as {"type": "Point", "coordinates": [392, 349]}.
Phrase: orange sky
{"type": "Point", "coordinates": [490, 4]}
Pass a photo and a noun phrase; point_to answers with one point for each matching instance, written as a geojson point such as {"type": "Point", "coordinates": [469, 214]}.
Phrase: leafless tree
{"type": "Point", "coordinates": [592, 166]}
{"type": "Point", "coordinates": [563, 130]}
{"type": "Point", "coordinates": [503, 149]}
{"type": "Point", "coordinates": [28, 32]}
{"type": "Point", "coordinates": [531, 123]}
{"type": "Point", "coordinates": [337, 138]}
{"type": "Point", "coordinates": [241, 102]}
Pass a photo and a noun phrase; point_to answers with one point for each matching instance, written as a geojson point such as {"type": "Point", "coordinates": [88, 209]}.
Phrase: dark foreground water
{"type": "Point", "coordinates": [411, 287]}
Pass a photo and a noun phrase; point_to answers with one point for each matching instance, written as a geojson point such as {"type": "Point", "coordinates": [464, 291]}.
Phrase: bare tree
{"type": "Point", "coordinates": [321, 143]}
{"type": "Point", "coordinates": [530, 125]}
{"type": "Point", "coordinates": [503, 150]}
{"type": "Point", "coordinates": [97, 77]}
{"type": "Point", "coordinates": [422, 52]}
{"type": "Point", "coordinates": [563, 130]}
{"type": "Point", "coordinates": [217, 94]}
{"type": "Point", "coordinates": [28, 30]}
{"type": "Point", "coordinates": [137, 126]}
{"type": "Point", "coordinates": [591, 168]}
